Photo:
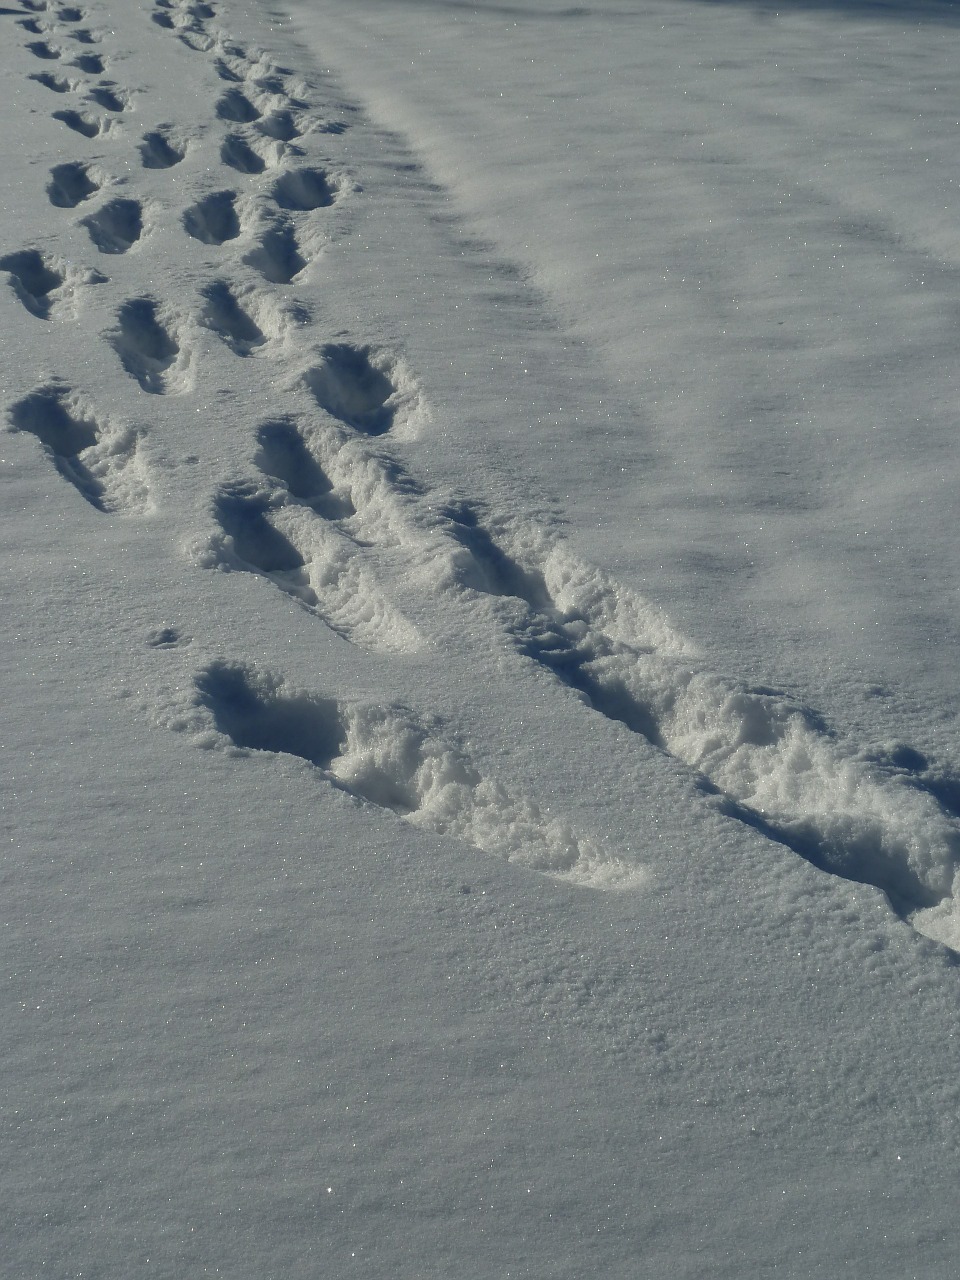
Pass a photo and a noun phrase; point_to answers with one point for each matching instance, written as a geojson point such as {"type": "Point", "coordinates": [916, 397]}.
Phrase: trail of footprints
{"type": "Point", "coordinates": [327, 503]}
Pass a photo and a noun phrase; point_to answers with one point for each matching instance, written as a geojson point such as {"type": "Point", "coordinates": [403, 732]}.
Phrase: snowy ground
{"type": "Point", "coordinates": [481, 753]}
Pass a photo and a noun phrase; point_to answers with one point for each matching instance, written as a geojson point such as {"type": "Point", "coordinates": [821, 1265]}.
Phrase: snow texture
{"type": "Point", "coordinates": [481, 777]}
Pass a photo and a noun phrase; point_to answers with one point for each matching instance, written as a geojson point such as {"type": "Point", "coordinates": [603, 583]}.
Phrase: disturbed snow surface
{"type": "Point", "coordinates": [481, 767]}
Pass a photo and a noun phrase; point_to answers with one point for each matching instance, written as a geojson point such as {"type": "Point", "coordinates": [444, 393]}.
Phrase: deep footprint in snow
{"type": "Point", "coordinates": [223, 314]}
{"type": "Point", "coordinates": [302, 190]}
{"type": "Point", "coordinates": [82, 122]}
{"type": "Point", "coordinates": [277, 257]}
{"type": "Point", "coordinates": [554, 641]}
{"type": "Point", "coordinates": [384, 756]}
{"type": "Point", "coordinates": [238, 154]}
{"type": "Point", "coordinates": [109, 98]}
{"type": "Point", "coordinates": [102, 464]}
{"type": "Point", "coordinates": [226, 73]}
{"type": "Point", "coordinates": [117, 226]}
{"type": "Point", "coordinates": [70, 184]}
{"type": "Point", "coordinates": [354, 385]}
{"type": "Point", "coordinates": [41, 49]}
{"type": "Point", "coordinates": [159, 150]}
{"type": "Point", "coordinates": [256, 546]}
{"type": "Point", "coordinates": [146, 348]}
{"type": "Point", "coordinates": [237, 107]}
{"type": "Point", "coordinates": [92, 63]}
{"type": "Point", "coordinates": [284, 455]}
{"type": "Point", "coordinates": [213, 219]}
{"type": "Point", "coordinates": [57, 84]}
{"type": "Point", "coordinates": [33, 279]}
{"type": "Point", "coordinates": [279, 125]}
{"type": "Point", "coordinates": [260, 531]}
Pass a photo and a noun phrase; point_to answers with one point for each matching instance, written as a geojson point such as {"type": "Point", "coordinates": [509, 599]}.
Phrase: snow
{"type": "Point", "coordinates": [481, 768]}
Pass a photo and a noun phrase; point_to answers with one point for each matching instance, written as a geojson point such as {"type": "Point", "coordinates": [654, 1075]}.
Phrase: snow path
{"type": "Point", "coordinates": [771, 763]}
{"type": "Point", "coordinates": [248, 458]}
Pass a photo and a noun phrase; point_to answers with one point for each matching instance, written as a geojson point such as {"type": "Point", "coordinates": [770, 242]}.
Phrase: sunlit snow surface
{"type": "Point", "coordinates": [481, 768]}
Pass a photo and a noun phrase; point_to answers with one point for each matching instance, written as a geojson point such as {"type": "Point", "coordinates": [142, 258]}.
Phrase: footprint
{"type": "Point", "coordinates": [91, 63]}
{"type": "Point", "coordinates": [146, 348]}
{"type": "Point", "coordinates": [103, 463]}
{"type": "Point", "coordinates": [261, 531]}
{"type": "Point", "coordinates": [226, 73]}
{"type": "Point", "coordinates": [279, 125]}
{"type": "Point", "coordinates": [41, 49]}
{"type": "Point", "coordinates": [302, 190]}
{"type": "Point", "coordinates": [385, 756]}
{"type": "Point", "coordinates": [159, 151]}
{"type": "Point", "coordinates": [214, 218]}
{"type": "Point", "coordinates": [162, 20]}
{"type": "Point", "coordinates": [70, 14]}
{"type": "Point", "coordinates": [82, 122]}
{"type": "Point", "coordinates": [253, 544]}
{"type": "Point", "coordinates": [107, 97]}
{"type": "Point", "coordinates": [83, 36]}
{"type": "Point", "coordinates": [223, 314]}
{"type": "Point", "coordinates": [33, 280]}
{"type": "Point", "coordinates": [31, 26]}
{"type": "Point", "coordinates": [284, 456]}
{"type": "Point", "coordinates": [236, 107]}
{"type": "Point", "coordinates": [57, 83]}
{"type": "Point", "coordinates": [165, 638]}
{"type": "Point", "coordinates": [277, 257]}
{"type": "Point", "coordinates": [238, 154]}
{"type": "Point", "coordinates": [117, 226]}
{"type": "Point", "coordinates": [366, 389]}
{"type": "Point", "coordinates": [196, 40]}
{"type": "Point", "coordinates": [70, 184]}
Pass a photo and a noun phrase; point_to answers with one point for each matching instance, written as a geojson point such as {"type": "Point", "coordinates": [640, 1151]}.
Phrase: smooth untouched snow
{"type": "Point", "coordinates": [481, 771]}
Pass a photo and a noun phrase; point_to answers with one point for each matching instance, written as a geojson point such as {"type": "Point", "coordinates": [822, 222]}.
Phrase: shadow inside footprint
{"type": "Point", "coordinates": [50, 81]}
{"type": "Point", "coordinates": [280, 126]}
{"type": "Point", "coordinates": [89, 126]}
{"type": "Point", "coordinates": [283, 455]}
{"type": "Point", "coordinates": [70, 184]}
{"type": "Point", "coordinates": [213, 219]}
{"type": "Point", "coordinates": [253, 713]}
{"type": "Point", "coordinates": [224, 315]}
{"type": "Point", "coordinates": [107, 98]}
{"type": "Point", "coordinates": [158, 152]}
{"type": "Point", "coordinates": [117, 226]}
{"type": "Point", "coordinates": [277, 257]}
{"type": "Point", "coordinates": [44, 415]}
{"type": "Point", "coordinates": [302, 190]}
{"type": "Point", "coordinates": [40, 49]}
{"type": "Point", "coordinates": [33, 281]}
{"type": "Point", "coordinates": [91, 63]}
{"type": "Point", "coordinates": [145, 348]}
{"type": "Point", "coordinates": [239, 155]}
{"type": "Point", "coordinates": [349, 386]}
{"type": "Point", "coordinates": [492, 571]}
{"type": "Point", "coordinates": [241, 513]}
{"type": "Point", "coordinates": [236, 106]}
